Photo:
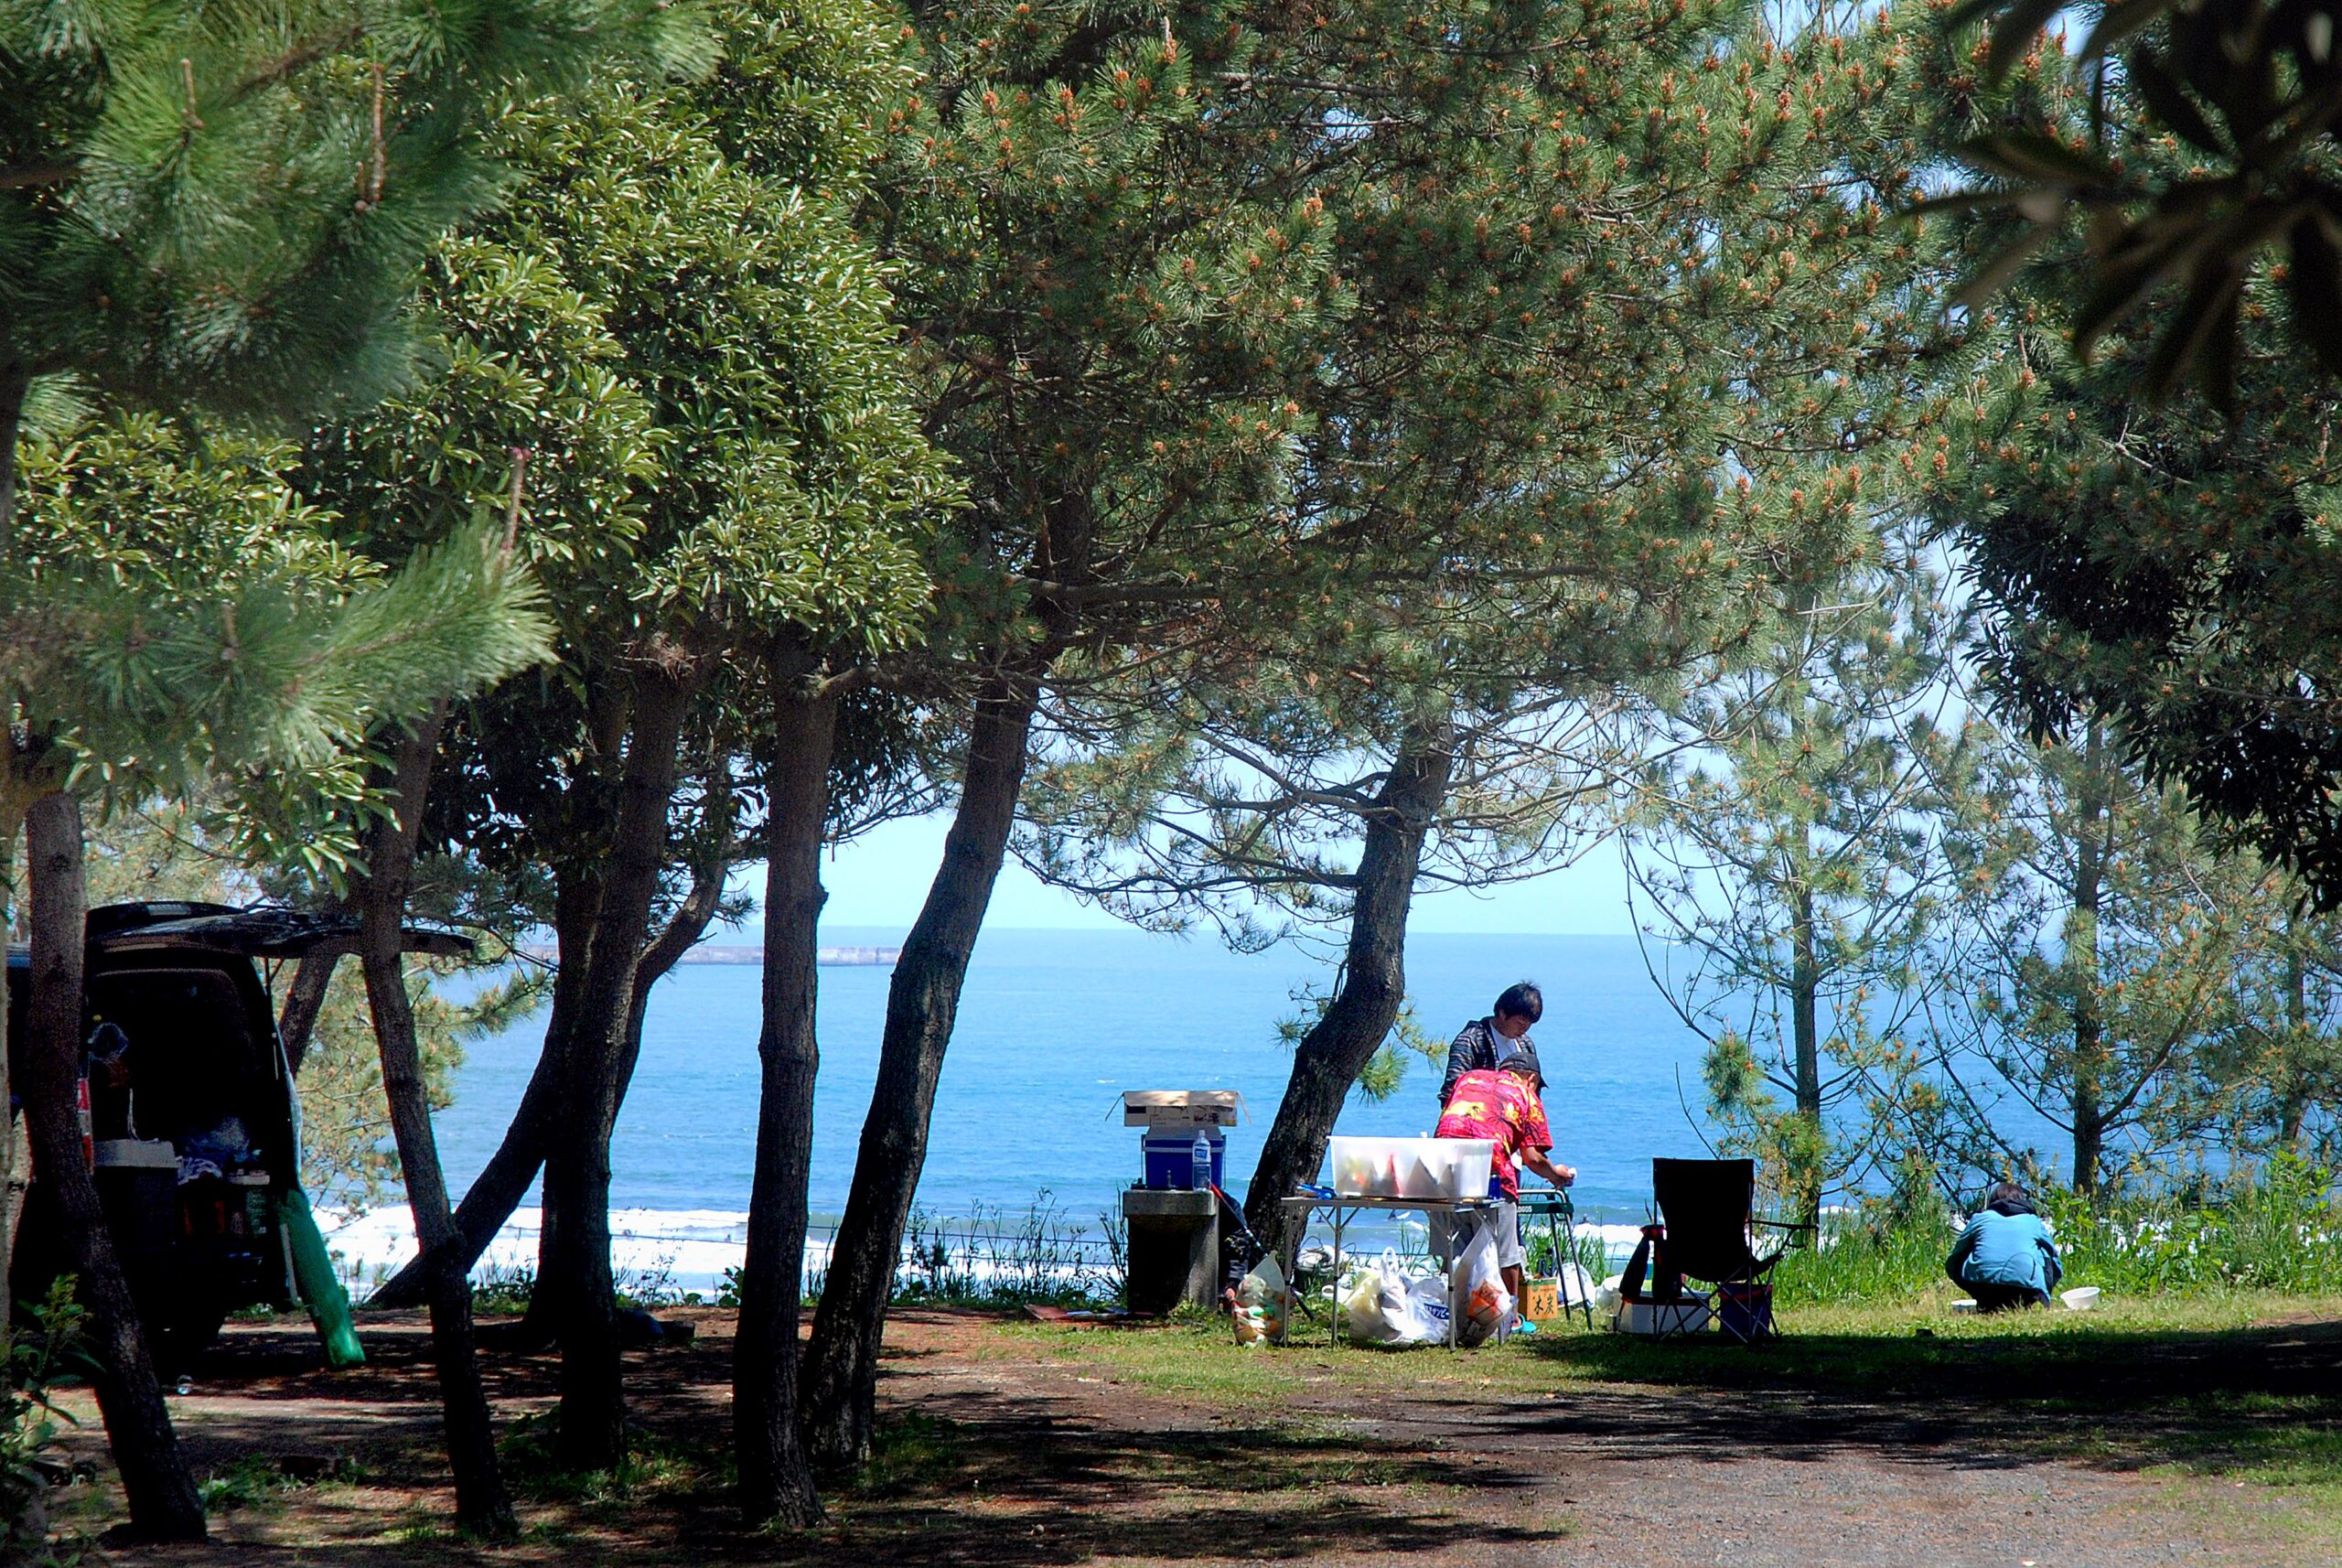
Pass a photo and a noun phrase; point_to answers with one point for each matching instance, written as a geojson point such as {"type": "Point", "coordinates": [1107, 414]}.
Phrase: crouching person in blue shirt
{"type": "Point", "coordinates": [2005, 1257]}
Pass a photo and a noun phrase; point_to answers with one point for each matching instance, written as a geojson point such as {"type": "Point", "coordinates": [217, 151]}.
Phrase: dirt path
{"type": "Point", "coordinates": [1011, 1448]}
{"type": "Point", "coordinates": [1658, 1476]}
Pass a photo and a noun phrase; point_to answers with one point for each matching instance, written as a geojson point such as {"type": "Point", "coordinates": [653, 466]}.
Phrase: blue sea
{"type": "Point", "coordinates": [1057, 1024]}
{"type": "Point", "coordinates": [1054, 1025]}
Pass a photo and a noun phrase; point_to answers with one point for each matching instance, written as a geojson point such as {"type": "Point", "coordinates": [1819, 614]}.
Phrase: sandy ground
{"type": "Point", "coordinates": [1026, 1448]}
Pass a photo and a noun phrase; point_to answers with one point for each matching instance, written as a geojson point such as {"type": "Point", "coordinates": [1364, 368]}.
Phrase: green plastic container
{"type": "Point", "coordinates": [321, 1291]}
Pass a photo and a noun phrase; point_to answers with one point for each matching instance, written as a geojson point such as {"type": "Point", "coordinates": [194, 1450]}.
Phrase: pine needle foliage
{"type": "Point", "coordinates": [1624, 339]}
{"type": "Point", "coordinates": [175, 615]}
{"type": "Point", "coordinates": [225, 205]}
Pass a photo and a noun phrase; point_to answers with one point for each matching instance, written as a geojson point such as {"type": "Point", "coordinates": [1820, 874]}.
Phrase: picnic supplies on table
{"type": "Point", "coordinates": [1173, 1122]}
{"type": "Point", "coordinates": [1412, 1167]}
{"type": "Point", "coordinates": [1261, 1305]}
{"type": "Point", "coordinates": [1477, 1294]}
{"type": "Point", "coordinates": [1708, 1209]}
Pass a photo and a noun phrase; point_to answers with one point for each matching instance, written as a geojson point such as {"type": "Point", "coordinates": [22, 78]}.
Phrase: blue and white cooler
{"type": "Point", "coordinates": [1171, 1120]}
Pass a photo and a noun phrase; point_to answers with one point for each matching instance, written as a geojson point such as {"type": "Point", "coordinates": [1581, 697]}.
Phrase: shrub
{"type": "Point", "coordinates": [39, 1355]}
{"type": "Point", "coordinates": [2271, 1227]}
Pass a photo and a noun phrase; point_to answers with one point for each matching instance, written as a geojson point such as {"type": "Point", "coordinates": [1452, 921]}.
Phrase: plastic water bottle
{"type": "Point", "coordinates": [1200, 1164]}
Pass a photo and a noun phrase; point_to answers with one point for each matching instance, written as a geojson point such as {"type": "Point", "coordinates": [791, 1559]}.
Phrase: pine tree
{"type": "Point", "coordinates": [1110, 263]}
{"type": "Point", "coordinates": [2164, 566]}
{"type": "Point", "coordinates": [2110, 939]}
{"type": "Point", "coordinates": [1573, 440]}
{"type": "Point", "coordinates": [732, 524]}
{"type": "Point", "coordinates": [1797, 854]}
{"type": "Point", "coordinates": [2273, 1084]}
{"type": "Point", "coordinates": [192, 622]}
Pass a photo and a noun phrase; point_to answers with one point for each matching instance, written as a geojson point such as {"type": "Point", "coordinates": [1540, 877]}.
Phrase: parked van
{"type": "Point", "coordinates": [193, 1127]}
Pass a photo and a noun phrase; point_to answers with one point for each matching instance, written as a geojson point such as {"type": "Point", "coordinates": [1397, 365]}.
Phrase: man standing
{"type": "Point", "coordinates": [1502, 1105]}
{"type": "Point", "coordinates": [1485, 1042]}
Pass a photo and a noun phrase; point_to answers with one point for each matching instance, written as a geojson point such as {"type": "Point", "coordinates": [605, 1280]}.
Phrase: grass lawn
{"type": "Point", "coordinates": [2245, 1385]}
{"type": "Point", "coordinates": [2206, 1424]}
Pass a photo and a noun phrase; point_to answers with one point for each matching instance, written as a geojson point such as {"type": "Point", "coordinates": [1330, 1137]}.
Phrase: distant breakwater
{"type": "Point", "coordinates": [714, 952]}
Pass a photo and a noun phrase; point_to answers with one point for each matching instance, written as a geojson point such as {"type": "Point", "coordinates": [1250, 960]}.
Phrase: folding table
{"type": "Point", "coordinates": [1338, 1212]}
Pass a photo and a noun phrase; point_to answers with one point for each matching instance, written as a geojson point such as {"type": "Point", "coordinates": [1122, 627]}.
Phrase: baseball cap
{"type": "Point", "coordinates": [1523, 1059]}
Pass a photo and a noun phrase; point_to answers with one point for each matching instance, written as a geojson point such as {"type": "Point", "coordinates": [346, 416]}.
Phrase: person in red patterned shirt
{"type": "Point", "coordinates": [1502, 1105]}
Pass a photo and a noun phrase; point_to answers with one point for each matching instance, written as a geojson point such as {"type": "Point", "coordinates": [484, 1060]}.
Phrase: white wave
{"type": "Point", "coordinates": [690, 1247]}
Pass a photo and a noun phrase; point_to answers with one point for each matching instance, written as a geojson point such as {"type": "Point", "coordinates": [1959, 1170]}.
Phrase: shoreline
{"type": "Point", "coordinates": [689, 1250]}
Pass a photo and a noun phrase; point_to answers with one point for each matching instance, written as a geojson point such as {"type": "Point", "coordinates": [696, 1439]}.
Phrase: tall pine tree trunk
{"type": "Point", "coordinates": [481, 1506]}
{"type": "Point", "coordinates": [1805, 1025]}
{"type": "Point", "coordinates": [155, 1475]}
{"type": "Point", "coordinates": [15, 382]}
{"type": "Point", "coordinates": [592, 1435]}
{"type": "Point", "coordinates": [304, 998]}
{"type": "Point", "coordinates": [2090, 1060]}
{"type": "Point", "coordinates": [839, 1382]}
{"type": "Point", "coordinates": [776, 1479]}
{"type": "Point", "coordinates": [15, 797]}
{"type": "Point", "coordinates": [504, 1181]}
{"type": "Point", "coordinates": [12, 827]}
{"type": "Point", "coordinates": [2292, 1100]}
{"type": "Point", "coordinates": [1373, 985]}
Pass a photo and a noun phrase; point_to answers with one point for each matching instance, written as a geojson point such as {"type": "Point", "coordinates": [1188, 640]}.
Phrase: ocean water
{"type": "Point", "coordinates": [1053, 1027]}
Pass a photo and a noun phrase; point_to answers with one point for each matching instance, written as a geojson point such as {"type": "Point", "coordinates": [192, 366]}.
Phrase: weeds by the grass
{"type": "Point", "coordinates": [2268, 1227]}
{"type": "Point", "coordinates": [915, 1451]}
{"type": "Point", "coordinates": [262, 1483]}
{"type": "Point", "coordinates": [2271, 1227]}
{"type": "Point", "coordinates": [652, 1464]}
{"type": "Point", "coordinates": [502, 1290]}
{"type": "Point", "coordinates": [991, 1258]}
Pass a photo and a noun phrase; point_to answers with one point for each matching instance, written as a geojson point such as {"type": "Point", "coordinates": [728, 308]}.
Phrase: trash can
{"type": "Point", "coordinates": [137, 1181]}
{"type": "Point", "coordinates": [1174, 1249]}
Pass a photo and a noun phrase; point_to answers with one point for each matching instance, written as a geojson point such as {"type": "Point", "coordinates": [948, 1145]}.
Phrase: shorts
{"type": "Point", "coordinates": [1450, 1231]}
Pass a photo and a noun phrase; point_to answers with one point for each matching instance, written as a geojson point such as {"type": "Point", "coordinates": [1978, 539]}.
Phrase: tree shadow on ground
{"type": "Point", "coordinates": [2120, 1398]}
{"type": "Point", "coordinates": [1008, 1490]}
{"type": "Point", "coordinates": [963, 1476]}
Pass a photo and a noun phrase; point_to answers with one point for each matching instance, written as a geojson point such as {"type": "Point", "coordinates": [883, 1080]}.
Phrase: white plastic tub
{"type": "Point", "coordinates": [1649, 1319]}
{"type": "Point", "coordinates": [1412, 1167]}
{"type": "Point", "coordinates": [2081, 1298]}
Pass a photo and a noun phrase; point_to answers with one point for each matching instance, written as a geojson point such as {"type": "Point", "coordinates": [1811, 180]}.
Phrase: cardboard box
{"type": "Point", "coordinates": [1540, 1299]}
{"type": "Point", "coordinates": [1190, 1108]}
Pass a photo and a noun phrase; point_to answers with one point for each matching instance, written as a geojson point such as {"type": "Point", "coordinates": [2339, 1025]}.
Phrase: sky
{"type": "Point", "coordinates": [880, 879]}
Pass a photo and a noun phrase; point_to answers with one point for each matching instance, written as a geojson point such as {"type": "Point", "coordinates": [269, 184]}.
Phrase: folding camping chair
{"type": "Point", "coordinates": [1709, 1209]}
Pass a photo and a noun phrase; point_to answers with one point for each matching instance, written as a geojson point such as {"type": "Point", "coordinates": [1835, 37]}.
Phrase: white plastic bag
{"type": "Point", "coordinates": [1261, 1305]}
{"type": "Point", "coordinates": [1478, 1298]}
{"type": "Point", "coordinates": [1379, 1308]}
{"type": "Point", "coordinates": [1428, 1294]}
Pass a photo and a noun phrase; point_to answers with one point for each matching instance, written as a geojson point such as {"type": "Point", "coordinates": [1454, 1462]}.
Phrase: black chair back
{"type": "Point", "coordinates": [1706, 1205]}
